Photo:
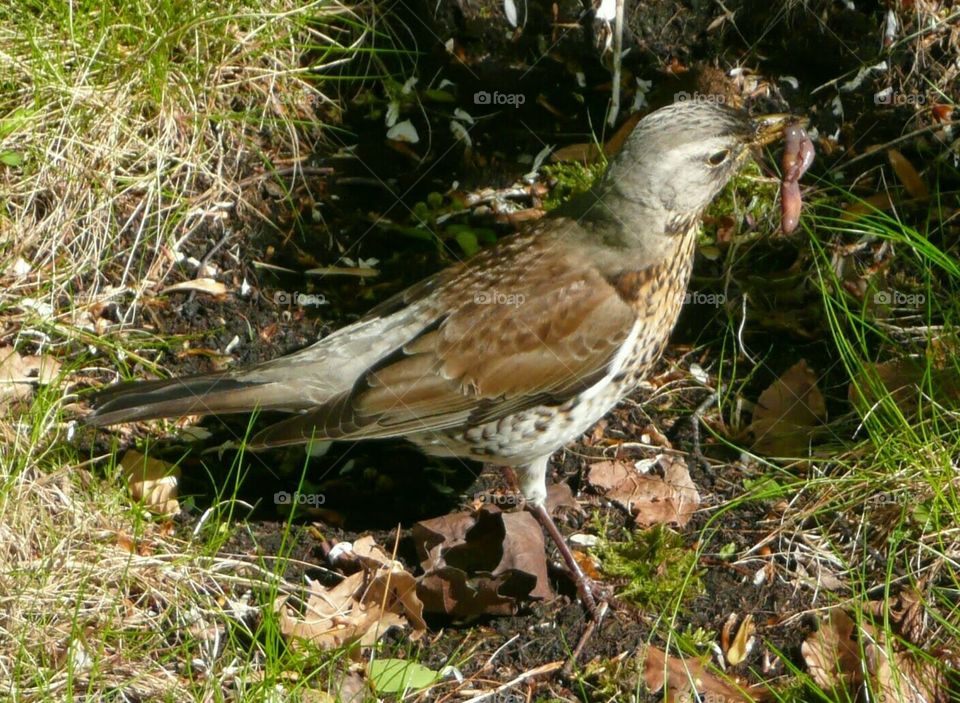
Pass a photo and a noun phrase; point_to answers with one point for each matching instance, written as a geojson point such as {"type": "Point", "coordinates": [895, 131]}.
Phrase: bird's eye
{"type": "Point", "coordinates": [719, 157]}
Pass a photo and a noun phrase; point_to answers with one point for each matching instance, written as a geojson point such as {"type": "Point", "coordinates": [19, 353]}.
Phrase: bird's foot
{"type": "Point", "coordinates": [585, 587]}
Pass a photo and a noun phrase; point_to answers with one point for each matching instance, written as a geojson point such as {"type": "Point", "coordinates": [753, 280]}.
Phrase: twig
{"type": "Point", "coordinates": [525, 676]}
{"type": "Point", "coordinates": [617, 55]}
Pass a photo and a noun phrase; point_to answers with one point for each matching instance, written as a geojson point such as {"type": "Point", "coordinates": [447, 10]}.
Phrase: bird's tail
{"type": "Point", "coordinates": [208, 394]}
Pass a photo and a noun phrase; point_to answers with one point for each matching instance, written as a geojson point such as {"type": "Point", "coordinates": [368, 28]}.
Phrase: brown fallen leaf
{"type": "Point", "coordinates": [831, 653]}
{"type": "Point", "coordinates": [19, 374]}
{"type": "Point", "coordinates": [361, 608]}
{"type": "Point", "coordinates": [652, 499]}
{"type": "Point", "coordinates": [904, 678]}
{"type": "Point", "coordinates": [789, 413]}
{"type": "Point", "coordinates": [908, 175]}
{"type": "Point", "coordinates": [689, 680]}
{"type": "Point", "coordinates": [901, 378]}
{"type": "Point", "coordinates": [152, 482]}
{"type": "Point", "coordinates": [868, 205]}
{"type": "Point", "coordinates": [483, 562]}
{"type": "Point", "coordinates": [588, 152]}
{"type": "Point", "coordinates": [560, 498]}
{"type": "Point", "coordinates": [847, 660]}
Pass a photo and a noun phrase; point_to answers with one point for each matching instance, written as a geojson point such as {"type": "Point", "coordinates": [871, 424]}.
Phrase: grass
{"type": "Point", "coordinates": [130, 132]}
{"type": "Point", "coordinates": [870, 510]}
{"type": "Point", "coordinates": [126, 131]}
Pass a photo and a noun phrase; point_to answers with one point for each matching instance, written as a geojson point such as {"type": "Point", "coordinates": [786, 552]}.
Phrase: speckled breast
{"type": "Point", "coordinates": [657, 294]}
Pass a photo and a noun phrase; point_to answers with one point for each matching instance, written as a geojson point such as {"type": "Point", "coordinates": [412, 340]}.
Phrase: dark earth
{"type": "Point", "coordinates": [338, 207]}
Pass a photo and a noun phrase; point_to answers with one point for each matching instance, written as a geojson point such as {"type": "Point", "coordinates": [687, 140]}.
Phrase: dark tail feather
{"type": "Point", "coordinates": [210, 394]}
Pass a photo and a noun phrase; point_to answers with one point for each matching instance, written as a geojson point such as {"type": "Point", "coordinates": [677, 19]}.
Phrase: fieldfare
{"type": "Point", "coordinates": [510, 355]}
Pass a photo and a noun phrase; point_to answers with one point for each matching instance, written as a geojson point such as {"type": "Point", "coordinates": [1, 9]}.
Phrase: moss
{"type": "Point", "coordinates": [748, 195]}
{"type": "Point", "coordinates": [659, 571]}
{"type": "Point", "coordinates": [569, 179]}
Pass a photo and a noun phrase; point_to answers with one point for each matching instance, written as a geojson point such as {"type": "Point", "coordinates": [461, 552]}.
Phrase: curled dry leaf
{"type": "Point", "coordinates": [18, 374]}
{"type": "Point", "coordinates": [903, 678]}
{"type": "Point", "coordinates": [743, 642]}
{"type": "Point", "coordinates": [788, 413]}
{"type": "Point", "coordinates": [152, 481]}
{"type": "Point", "coordinates": [832, 654]}
{"type": "Point", "coordinates": [905, 610]}
{"type": "Point", "coordinates": [481, 563]}
{"type": "Point", "coordinates": [652, 499]}
{"type": "Point", "coordinates": [901, 378]}
{"type": "Point", "coordinates": [361, 608]}
{"type": "Point", "coordinates": [844, 659]}
{"type": "Point", "coordinates": [689, 680]}
{"type": "Point", "coordinates": [908, 175]}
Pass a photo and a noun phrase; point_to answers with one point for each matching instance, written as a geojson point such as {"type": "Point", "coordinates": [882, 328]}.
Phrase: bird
{"type": "Point", "coordinates": [515, 352]}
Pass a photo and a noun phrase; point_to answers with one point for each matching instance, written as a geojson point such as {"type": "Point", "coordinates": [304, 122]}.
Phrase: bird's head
{"type": "Point", "coordinates": [679, 157]}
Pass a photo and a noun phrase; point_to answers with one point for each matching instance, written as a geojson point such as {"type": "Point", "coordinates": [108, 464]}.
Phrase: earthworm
{"type": "Point", "coordinates": [797, 156]}
{"type": "Point", "coordinates": [790, 202]}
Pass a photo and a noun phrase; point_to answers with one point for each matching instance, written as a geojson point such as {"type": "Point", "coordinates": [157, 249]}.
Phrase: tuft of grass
{"type": "Point", "coordinates": [126, 131]}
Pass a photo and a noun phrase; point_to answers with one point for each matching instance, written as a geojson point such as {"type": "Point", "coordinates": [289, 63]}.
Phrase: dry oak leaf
{"type": "Point", "coordinates": [788, 413]}
{"type": "Point", "coordinates": [481, 563]}
{"type": "Point", "coordinates": [152, 482]}
{"type": "Point", "coordinates": [901, 378]}
{"type": "Point", "coordinates": [835, 660]}
{"type": "Point", "coordinates": [652, 499]}
{"type": "Point", "coordinates": [18, 374]}
{"type": "Point", "coordinates": [908, 679]}
{"type": "Point", "coordinates": [832, 653]}
{"type": "Point", "coordinates": [908, 175]}
{"type": "Point", "coordinates": [688, 680]}
{"type": "Point", "coordinates": [361, 608]}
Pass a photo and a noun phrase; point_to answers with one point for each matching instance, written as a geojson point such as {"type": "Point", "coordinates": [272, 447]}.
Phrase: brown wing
{"type": "Point", "coordinates": [519, 333]}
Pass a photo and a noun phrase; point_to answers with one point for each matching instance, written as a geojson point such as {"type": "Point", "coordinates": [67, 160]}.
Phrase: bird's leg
{"type": "Point", "coordinates": [584, 588]}
{"type": "Point", "coordinates": [534, 489]}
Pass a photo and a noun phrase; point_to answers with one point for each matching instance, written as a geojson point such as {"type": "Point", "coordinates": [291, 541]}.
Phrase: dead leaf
{"type": "Point", "coordinates": [361, 608]}
{"type": "Point", "coordinates": [832, 654]}
{"type": "Point", "coordinates": [479, 563]}
{"type": "Point", "coordinates": [651, 498]}
{"type": "Point", "coordinates": [584, 152]}
{"type": "Point", "coordinates": [907, 679]}
{"type": "Point", "coordinates": [867, 206]}
{"type": "Point", "coordinates": [908, 175]}
{"type": "Point", "coordinates": [19, 374]}
{"type": "Point", "coordinates": [560, 498]}
{"type": "Point", "coordinates": [588, 152]}
{"type": "Point", "coordinates": [905, 610]}
{"type": "Point", "coordinates": [788, 413]}
{"type": "Point", "coordinates": [837, 663]}
{"type": "Point", "coordinates": [152, 482]}
{"type": "Point", "coordinates": [742, 644]}
{"type": "Point", "coordinates": [901, 378]}
{"type": "Point", "coordinates": [688, 680]}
